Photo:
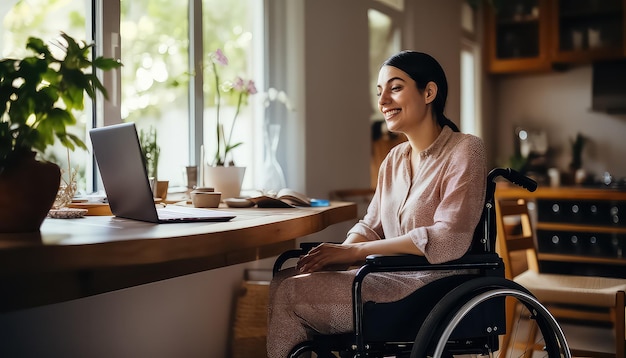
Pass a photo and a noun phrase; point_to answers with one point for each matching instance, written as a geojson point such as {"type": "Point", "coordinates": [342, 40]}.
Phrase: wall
{"type": "Point", "coordinates": [559, 103]}
{"type": "Point", "coordinates": [330, 149]}
{"type": "Point", "coordinates": [182, 317]}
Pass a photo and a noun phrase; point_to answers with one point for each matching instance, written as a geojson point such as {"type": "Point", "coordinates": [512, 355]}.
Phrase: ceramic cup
{"type": "Point", "coordinates": [206, 199]}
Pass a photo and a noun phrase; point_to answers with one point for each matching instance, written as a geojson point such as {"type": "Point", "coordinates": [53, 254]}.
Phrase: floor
{"type": "Point", "coordinates": [581, 337]}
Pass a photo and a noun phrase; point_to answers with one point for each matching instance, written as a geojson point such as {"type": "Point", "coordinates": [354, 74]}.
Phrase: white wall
{"type": "Point", "coordinates": [560, 103]}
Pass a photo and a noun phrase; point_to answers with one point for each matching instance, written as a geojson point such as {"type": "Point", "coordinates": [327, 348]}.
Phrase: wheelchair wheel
{"type": "Point", "coordinates": [433, 337]}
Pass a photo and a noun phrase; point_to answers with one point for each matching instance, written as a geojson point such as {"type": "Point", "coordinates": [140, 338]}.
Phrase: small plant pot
{"type": "Point", "coordinates": [206, 199]}
{"type": "Point", "coordinates": [161, 189]}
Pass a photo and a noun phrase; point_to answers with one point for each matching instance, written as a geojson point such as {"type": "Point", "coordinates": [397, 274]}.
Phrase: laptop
{"type": "Point", "coordinates": [119, 158]}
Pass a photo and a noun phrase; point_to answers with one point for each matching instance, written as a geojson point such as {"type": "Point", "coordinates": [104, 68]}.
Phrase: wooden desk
{"type": "Point", "coordinates": [76, 258]}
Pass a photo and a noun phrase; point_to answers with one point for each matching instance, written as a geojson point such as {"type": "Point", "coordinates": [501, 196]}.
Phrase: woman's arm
{"type": "Point", "coordinates": [329, 255]}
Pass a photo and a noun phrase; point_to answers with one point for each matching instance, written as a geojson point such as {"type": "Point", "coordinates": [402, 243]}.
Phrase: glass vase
{"type": "Point", "coordinates": [273, 176]}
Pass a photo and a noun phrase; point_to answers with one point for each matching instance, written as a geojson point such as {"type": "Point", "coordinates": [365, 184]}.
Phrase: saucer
{"type": "Point", "coordinates": [238, 203]}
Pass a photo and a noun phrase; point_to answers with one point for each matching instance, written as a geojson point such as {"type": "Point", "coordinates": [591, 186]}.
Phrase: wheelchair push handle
{"type": "Point", "coordinates": [514, 177]}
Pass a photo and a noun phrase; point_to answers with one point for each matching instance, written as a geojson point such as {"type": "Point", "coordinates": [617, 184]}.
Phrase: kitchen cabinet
{"type": "Point", "coordinates": [587, 30]}
{"type": "Point", "coordinates": [517, 36]}
{"type": "Point", "coordinates": [579, 230]}
{"type": "Point", "coordinates": [540, 35]}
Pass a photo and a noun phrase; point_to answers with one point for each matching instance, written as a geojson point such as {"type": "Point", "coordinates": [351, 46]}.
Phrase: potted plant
{"type": "Point", "coordinates": [151, 152]}
{"type": "Point", "coordinates": [38, 97]}
{"type": "Point", "coordinates": [576, 165]}
{"type": "Point", "coordinates": [223, 175]}
{"type": "Point", "coordinates": [241, 89]}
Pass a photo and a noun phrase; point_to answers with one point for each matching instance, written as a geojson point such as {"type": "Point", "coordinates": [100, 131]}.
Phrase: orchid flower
{"type": "Point", "coordinates": [243, 89]}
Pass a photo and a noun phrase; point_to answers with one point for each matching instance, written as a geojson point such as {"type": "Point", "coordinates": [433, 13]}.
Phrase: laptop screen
{"type": "Point", "coordinates": [118, 154]}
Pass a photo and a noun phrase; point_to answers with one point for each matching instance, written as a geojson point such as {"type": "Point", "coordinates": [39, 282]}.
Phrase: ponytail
{"type": "Point", "coordinates": [445, 121]}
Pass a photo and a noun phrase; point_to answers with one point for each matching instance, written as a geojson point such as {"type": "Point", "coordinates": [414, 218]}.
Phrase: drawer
{"type": "Point", "coordinates": [587, 244]}
{"type": "Point", "coordinates": [584, 212]}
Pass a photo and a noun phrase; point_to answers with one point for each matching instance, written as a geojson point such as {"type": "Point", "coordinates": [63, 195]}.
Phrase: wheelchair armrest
{"type": "Point", "coordinates": [292, 254]}
{"type": "Point", "coordinates": [408, 262]}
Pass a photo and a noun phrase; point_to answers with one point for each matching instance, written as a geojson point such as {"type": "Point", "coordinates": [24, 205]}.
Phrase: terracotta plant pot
{"type": "Point", "coordinates": [27, 192]}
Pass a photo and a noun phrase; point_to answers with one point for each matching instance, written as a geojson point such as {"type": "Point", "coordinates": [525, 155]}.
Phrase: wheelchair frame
{"type": "Point", "coordinates": [485, 291]}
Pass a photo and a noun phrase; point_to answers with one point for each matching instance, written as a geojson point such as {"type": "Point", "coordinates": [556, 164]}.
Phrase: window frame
{"type": "Point", "coordinates": [106, 33]}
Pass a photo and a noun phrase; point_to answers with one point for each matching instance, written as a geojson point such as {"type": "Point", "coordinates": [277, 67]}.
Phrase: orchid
{"type": "Point", "coordinates": [240, 88]}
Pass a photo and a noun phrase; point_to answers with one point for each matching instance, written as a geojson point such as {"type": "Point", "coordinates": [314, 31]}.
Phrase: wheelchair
{"type": "Point", "coordinates": [457, 315]}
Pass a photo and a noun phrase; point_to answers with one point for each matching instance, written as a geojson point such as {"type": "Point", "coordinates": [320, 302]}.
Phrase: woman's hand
{"type": "Point", "coordinates": [328, 256]}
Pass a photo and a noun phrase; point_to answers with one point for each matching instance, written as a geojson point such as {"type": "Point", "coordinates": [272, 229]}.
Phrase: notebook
{"type": "Point", "coordinates": [118, 155]}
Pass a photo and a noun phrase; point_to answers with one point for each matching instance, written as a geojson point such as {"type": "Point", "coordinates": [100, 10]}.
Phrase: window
{"type": "Point", "coordinates": [155, 78]}
{"type": "Point", "coordinates": [158, 86]}
{"type": "Point", "coordinates": [470, 70]}
{"type": "Point", "coordinates": [469, 91]}
{"type": "Point", "coordinates": [46, 19]}
{"type": "Point", "coordinates": [236, 38]}
{"type": "Point", "coordinates": [384, 40]}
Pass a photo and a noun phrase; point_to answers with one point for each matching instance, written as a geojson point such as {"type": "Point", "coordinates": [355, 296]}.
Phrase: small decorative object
{"type": "Point", "coordinates": [274, 178]}
{"type": "Point", "coordinates": [67, 188]}
{"type": "Point", "coordinates": [67, 213]}
{"type": "Point", "coordinates": [273, 175]}
{"type": "Point", "coordinates": [38, 97]}
{"type": "Point", "coordinates": [578, 174]}
{"type": "Point", "coordinates": [192, 176]}
{"type": "Point", "coordinates": [577, 152]}
{"type": "Point", "coordinates": [555, 177]}
{"type": "Point", "coordinates": [206, 199]}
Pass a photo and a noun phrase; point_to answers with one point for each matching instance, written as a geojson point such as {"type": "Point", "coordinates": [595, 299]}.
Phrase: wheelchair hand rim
{"type": "Point", "coordinates": [522, 296]}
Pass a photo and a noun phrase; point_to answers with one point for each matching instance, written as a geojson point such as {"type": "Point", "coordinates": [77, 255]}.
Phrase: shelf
{"type": "Point", "coordinates": [581, 259]}
{"type": "Point", "coordinates": [581, 228]}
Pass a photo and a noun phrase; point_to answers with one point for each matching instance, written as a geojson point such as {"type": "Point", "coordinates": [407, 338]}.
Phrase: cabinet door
{"type": "Point", "coordinates": [588, 30]}
{"type": "Point", "coordinates": [517, 36]}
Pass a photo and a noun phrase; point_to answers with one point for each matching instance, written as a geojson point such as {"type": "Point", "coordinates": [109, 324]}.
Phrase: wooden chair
{"type": "Point", "coordinates": [581, 299]}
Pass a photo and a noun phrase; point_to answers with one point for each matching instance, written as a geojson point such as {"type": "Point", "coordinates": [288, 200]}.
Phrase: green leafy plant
{"type": "Point", "coordinates": [150, 150]}
{"type": "Point", "coordinates": [40, 93]}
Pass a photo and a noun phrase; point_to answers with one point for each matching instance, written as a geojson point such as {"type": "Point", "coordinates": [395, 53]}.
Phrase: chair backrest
{"type": "Point", "coordinates": [515, 236]}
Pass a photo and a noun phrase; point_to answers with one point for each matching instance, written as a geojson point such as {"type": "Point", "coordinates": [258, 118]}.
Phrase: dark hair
{"type": "Point", "coordinates": [423, 68]}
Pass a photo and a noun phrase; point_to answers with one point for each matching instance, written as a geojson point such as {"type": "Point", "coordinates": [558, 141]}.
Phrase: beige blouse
{"type": "Point", "coordinates": [439, 206]}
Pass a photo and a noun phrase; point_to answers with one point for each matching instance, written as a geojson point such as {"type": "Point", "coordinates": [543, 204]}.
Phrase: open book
{"type": "Point", "coordinates": [285, 198]}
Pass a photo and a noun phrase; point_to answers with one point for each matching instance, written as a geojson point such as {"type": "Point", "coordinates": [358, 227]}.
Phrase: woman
{"type": "Point", "coordinates": [428, 201]}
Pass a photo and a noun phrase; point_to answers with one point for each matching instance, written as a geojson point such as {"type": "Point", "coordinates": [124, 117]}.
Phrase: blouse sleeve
{"type": "Point", "coordinates": [462, 199]}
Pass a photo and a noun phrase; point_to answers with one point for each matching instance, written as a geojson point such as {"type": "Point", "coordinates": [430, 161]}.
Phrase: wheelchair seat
{"type": "Point", "coordinates": [435, 320]}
